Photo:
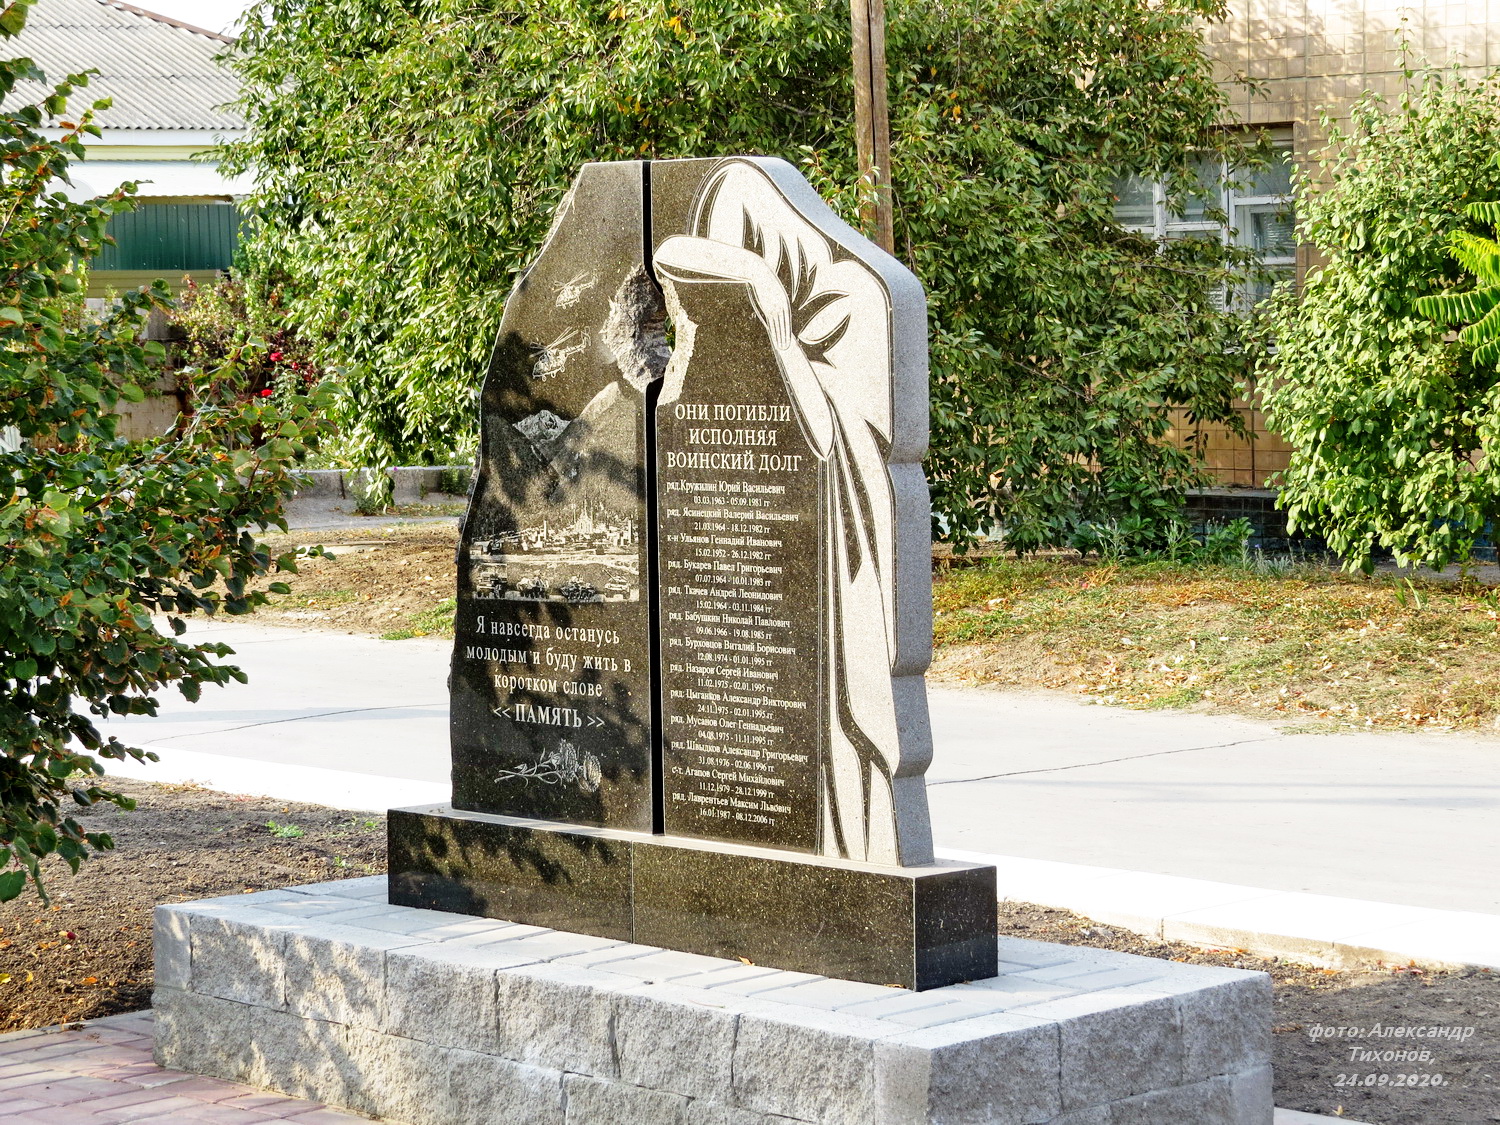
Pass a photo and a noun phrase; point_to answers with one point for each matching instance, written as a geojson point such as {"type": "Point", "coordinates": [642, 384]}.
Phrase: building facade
{"type": "Point", "coordinates": [1304, 58]}
{"type": "Point", "coordinates": [170, 109]}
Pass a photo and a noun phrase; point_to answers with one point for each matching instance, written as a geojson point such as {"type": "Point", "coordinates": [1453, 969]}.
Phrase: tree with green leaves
{"type": "Point", "coordinates": [410, 155]}
{"type": "Point", "coordinates": [1394, 423]}
{"type": "Point", "coordinates": [104, 544]}
{"type": "Point", "coordinates": [1478, 255]}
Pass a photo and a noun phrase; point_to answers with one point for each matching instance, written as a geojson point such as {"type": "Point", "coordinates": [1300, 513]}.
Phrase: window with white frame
{"type": "Point", "coordinates": [1244, 206]}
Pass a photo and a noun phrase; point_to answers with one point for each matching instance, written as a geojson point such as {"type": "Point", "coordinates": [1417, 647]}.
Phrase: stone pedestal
{"type": "Point", "coordinates": [328, 992]}
{"type": "Point", "coordinates": [913, 927]}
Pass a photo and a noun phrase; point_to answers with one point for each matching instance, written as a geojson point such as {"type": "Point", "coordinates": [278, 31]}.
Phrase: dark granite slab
{"type": "Point", "coordinates": [490, 867]}
{"type": "Point", "coordinates": [551, 684]}
{"type": "Point", "coordinates": [913, 927]}
{"type": "Point", "coordinates": [743, 626]}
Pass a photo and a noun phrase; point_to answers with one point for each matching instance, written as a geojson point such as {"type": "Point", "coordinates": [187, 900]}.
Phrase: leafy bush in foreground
{"type": "Point", "coordinates": [1395, 425]}
{"type": "Point", "coordinates": [99, 535]}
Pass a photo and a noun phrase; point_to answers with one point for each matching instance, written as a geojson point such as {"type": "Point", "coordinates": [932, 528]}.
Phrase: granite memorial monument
{"type": "Point", "coordinates": [688, 719]}
{"type": "Point", "coordinates": [694, 594]}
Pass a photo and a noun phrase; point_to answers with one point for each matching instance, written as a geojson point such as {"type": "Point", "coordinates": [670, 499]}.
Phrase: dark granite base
{"type": "Point", "coordinates": [912, 927]}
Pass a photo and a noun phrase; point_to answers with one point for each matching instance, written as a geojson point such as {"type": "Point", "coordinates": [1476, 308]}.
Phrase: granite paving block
{"type": "Point", "coordinates": [1203, 1103]}
{"type": "Point", "coordinates": [487, 1090]}
{"type": "Point", "coordinates": [953, 1011]}
{"type": "Point", "coordinates": [1116, 1052]}
{"type": "Point", "coordinates": [752, 984]}
{"type": "Point", "coordinates": [1067, 972]}
{"type": "Point", "coordinates": [802, 1062]}
{"type": "Point", "coordinates": [997, 1070]}
{"type": "Point", "coordinates": [1099, 1115]}
{"type": "Point", "coordinates": [1251, 1095]}
{"type": "Point", "coordinates": [502, 931]}
{"type": "Point", "coordinates": [353, 911]}
{"type": "Point", "coordinates": [313, 906]}
{"type": "Point", "coordinates": [235, 904]}
{"type": "Point", "coordinates": [901, 1004]}
{"type": "Point", "coordinates": [1012, 991]}
{"type": "Point", "coordinates": [171, 948]}
{"type": "Point", "coordinates": [1094, 978]}
{"type": "Point", "coordinates": [592, 1101]}
{"type": "Point", "coordinates": [257, 1046]}
{"type": "Point", "coordinates": [338, 974]}
{"type": "Point", "coordinates": [404, 920]}
{"type": "Point", "coordinates": [370, 886]}
{"type": "Point", "coordinates": [709, 1113]}
{"type": "Point", "coordinates": [1035, 954]}
{"type": "Point", "coordinates": [1226, 1028]}
{"type": "Point", "coordinates": [559, 1017]}
{"type": "Point", "coordinates": [240, 957]}
{"type": "Point", "coordinates": [658, 964]}
{"type": "Point", "coordinates": [442, 995]}
{"type": "Point", "coordinates": [829, 994]}
{"type": "Point", "coordinates": [677, 1038]}
{"type": "Point", "coordinates": [606, 956]}
{"type": "Point", "coordinates": [548, 944]}
{"type": "Point", "coordinates": [400, 1078]}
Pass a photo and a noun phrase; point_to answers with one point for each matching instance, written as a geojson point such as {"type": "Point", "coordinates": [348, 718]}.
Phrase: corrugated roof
{"type": "Point", "coordinates": [160, 72]}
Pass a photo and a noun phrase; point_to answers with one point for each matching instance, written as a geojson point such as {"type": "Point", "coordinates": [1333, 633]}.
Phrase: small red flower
{"type": "Point", "coordinates": [275, 357]}
{"type": "Point", "coordinates": [266, 393]}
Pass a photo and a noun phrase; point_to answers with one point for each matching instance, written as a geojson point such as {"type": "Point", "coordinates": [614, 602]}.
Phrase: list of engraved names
{"type": "Point", "coordinates": [740, 604]}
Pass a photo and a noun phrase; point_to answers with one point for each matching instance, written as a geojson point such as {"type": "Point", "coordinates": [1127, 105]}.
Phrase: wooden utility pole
{"type": "Point", "coordinates": [872, 121]}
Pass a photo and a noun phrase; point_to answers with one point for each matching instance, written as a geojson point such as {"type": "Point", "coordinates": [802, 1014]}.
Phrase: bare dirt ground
{"type": "Point", "coordinates": [88, 954]}
{"type": "Point", "coordinates": [394, 581]}
{"type": "Point", "coordinates": [1310, 1066]}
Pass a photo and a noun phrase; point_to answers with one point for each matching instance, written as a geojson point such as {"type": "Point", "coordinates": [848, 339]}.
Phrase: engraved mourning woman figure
{"type": "Point", "coordinates": [824, 316]}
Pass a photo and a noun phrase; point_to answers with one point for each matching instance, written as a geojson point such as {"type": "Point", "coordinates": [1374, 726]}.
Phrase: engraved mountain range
{"type": "Point", "coordinates": [549, 466]}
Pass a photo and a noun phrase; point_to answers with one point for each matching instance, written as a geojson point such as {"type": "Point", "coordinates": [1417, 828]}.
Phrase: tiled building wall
{"type": "Point", "coordinates": [1306, 56]}
{"type": "Point", "coordinates": [1231, 458]}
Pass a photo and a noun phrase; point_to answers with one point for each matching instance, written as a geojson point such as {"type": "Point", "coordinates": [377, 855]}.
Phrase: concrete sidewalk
{"type": "Point", "coordinates": [1224, 813]}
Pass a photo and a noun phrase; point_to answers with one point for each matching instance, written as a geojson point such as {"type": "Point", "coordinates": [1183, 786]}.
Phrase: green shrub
{"type": "Point", "coordinates": [1393, 424]}
{"type": "Point", "coordinates": [97, 535]}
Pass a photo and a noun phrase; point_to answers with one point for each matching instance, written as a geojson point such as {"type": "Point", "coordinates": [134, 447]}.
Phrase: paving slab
{"type": "Point", "coordinates": [1297, 1117]}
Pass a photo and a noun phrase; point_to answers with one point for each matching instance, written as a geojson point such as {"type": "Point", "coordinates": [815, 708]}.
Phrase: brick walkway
{"type": "Point", "coordinates": [102, 1074]}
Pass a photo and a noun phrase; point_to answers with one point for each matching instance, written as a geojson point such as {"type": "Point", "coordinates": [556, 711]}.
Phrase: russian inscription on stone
{"type": "Point", "coordinates": [792, 605]}
{"type": "Point", "coordinates": [794, 520]}
{"type": "Point", "coordinates": [551, 684]}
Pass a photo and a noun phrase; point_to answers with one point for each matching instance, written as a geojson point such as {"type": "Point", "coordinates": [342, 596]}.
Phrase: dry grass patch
{"type": "Point", "coordinates": [1337, 649]}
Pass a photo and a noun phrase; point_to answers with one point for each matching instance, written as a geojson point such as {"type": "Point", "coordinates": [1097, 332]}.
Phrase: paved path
{"type": "Point", "coordinates": [1399, 818]}
{"type": "Point", "coordinates": [1407, 819]}
{"type": "Point", "coordinates": [101, 1073]}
